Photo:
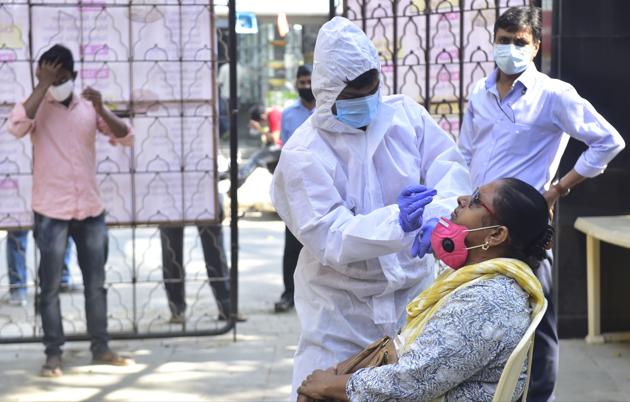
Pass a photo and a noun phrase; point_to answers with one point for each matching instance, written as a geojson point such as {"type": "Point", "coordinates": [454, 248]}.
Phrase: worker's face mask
{"type": "Point", "coordinates": [306, 94]}
{"type": "Point", "coordinates": [512, 59]}
{"type": "Point", "coordinates": [448, 241]}
{"type": "Point", "coordinates": [61, 92]}
{"type": "Point", "coordinates": [358, 112]}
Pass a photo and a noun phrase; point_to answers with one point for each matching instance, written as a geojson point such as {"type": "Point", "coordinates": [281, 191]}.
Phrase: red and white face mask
{"type": "Point", "coordinates": [448, 242]}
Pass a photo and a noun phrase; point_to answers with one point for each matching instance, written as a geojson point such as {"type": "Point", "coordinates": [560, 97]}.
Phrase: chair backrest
{"type": "Point", "coordinates": [512, 370]}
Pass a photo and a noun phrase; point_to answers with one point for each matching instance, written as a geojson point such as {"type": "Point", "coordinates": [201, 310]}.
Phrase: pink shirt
{"type": "Point", "coordinates": [64, 156]}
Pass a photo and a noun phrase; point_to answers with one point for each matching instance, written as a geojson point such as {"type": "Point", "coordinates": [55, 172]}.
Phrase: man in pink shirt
{"type": "Point", "coordinates": [66, 199]}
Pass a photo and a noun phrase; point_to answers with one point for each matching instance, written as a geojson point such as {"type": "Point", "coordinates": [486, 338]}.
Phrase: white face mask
{"type": "Point", "coordinates": [61, 92]}
{"type": "Point", "coordinates": [512, 59]}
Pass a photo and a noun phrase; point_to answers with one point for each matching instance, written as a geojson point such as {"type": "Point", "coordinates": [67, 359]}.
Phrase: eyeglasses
{"type": "Point", "coordinates": [475, 199]}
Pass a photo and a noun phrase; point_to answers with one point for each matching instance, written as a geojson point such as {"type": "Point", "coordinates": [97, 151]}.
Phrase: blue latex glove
{"type": "Point", "coordinates": [422, 242]}
{"type": "Point", "coordinates": [411, 203]}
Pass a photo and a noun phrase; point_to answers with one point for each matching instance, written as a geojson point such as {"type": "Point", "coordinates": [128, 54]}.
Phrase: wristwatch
{"type": "Point", "coordinates": [563, 191]}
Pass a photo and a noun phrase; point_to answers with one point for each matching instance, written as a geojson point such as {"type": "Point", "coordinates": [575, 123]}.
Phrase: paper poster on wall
{"type": "Point", "coordinates": [111, 78]}
{"type": "Point", "coordinates": [194, 77]}
{"type": "Point", "coordinates": [159, 197]}
{"type": "Point", "coordinates": [154, 64]}
{"type": "Point", "coordinates": [155, 32]}
{"type": "Point", "coordinates": [105, 33]}
{"type": "Point", "coordinates": [115, 189]}
{"type": "Point", "coordinates": [196, 35]}
{"type": "Point", "coordinates": [15, 200]}
{"type": "Point", "coordinates": [199, 201]}
{"type": "Point", "coordinates": [14, 29]}
{"type": "Point", "coordinates": [158, 144]}
{"type": "Point", "coordinates": [198, 151]}
{"type": "Point", "coordinates": [110, 158]}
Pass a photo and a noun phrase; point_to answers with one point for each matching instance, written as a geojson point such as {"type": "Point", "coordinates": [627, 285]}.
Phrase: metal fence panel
{"type": "Point", "coordinates": [155, 63]}
{"type": "Point", "coordinates": [432, 50]}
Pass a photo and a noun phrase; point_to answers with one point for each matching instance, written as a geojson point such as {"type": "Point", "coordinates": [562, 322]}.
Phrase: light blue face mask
{"type": "Point", "coordinates": [512, 59]}
{"type": "Point", "coordinates": [358, 112]}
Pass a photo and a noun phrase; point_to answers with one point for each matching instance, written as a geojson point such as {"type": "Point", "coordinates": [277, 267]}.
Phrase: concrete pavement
{"type": "Point", "coordinates": [255, 368]}
{"type": "Point", "coordinates": [593, 372]}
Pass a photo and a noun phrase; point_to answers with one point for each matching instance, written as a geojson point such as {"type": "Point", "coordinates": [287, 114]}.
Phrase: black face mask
{"type": "Point", "coordinates": [306, 94]}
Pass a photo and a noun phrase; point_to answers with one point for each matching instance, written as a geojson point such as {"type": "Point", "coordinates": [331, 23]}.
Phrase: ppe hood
{"type": "Point", "coordinates": [342, 53]}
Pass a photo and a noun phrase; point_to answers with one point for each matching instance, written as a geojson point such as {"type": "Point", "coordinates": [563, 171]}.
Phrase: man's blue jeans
{"type": "Point", "coordinates": [16, 262]}
{"type": "Point", "coordinates": [90, 237]}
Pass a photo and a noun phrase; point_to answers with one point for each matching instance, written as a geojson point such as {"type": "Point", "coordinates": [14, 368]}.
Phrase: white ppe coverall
{"type": "Point", "coordinates": [336, 188]}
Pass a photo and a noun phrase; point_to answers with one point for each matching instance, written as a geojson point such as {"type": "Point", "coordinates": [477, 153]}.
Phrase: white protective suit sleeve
{"type": "Point", "coordinates": [307, 201]}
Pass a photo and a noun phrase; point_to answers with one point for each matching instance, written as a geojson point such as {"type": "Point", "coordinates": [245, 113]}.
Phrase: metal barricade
{"type": "Point", "coordinates": [156, 64]}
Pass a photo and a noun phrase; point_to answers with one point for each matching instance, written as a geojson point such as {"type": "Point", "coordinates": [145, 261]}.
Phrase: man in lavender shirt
{"type": "Point", "coordinates": [517, 124]}
{"type": "Point", "coordinates": [66, 199]}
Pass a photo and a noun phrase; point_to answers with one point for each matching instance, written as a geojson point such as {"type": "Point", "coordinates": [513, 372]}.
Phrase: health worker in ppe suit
{"type": "Point", "coordinates": [354, 184]}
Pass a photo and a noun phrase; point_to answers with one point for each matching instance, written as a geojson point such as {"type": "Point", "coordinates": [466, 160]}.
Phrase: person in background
{"type": "Point", "coordinates": [174, 274]}
{"type": "Point", "coordinates": [66, 200]}
{"type": "Point", "coordinates": [267, 156]}
{"type": "Point", "coordinates": [292, 118]}
{"type": "Point", "coordinates": [265, 123]}
{"type": "Point", "coordinates": [274, 120]}
{"type": "Point", "coordinates": [18, 274]}
{"type": "Point", "coordinates": [517, 124]}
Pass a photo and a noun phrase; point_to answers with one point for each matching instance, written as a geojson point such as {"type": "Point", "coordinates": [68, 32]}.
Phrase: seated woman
{"type": "Point", "coordinates": [461, 330]}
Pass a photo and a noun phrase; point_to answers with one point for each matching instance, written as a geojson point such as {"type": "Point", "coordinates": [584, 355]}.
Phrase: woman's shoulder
{"type": "Point", "coordinates": [495, 284]}
{"type": "Point", "coordinates": [499, 300]}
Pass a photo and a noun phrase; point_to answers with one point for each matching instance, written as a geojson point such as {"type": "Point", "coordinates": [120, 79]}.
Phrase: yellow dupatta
{"type": "Point", "coordinates": [423, 307]}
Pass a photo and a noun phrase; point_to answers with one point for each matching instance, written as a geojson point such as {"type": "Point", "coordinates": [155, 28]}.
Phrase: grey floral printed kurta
{"type": "Point", "coordinates": [461, 352]}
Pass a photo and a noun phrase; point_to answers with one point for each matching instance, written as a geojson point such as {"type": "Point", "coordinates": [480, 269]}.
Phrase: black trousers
{"type": "Point", "coordinates": [292, 248]}
{"type": "Point", "coordinates": [172, 239]}
{"type": "Point", "coordinates": [546, 347]}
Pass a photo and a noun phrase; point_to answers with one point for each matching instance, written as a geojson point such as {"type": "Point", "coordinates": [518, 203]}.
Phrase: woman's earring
{"type": "Point", "coordinates": [485, 246]}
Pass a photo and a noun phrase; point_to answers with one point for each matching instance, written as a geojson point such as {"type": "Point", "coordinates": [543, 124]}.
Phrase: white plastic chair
{"type": "Point", "coordinates": [512, 370]}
